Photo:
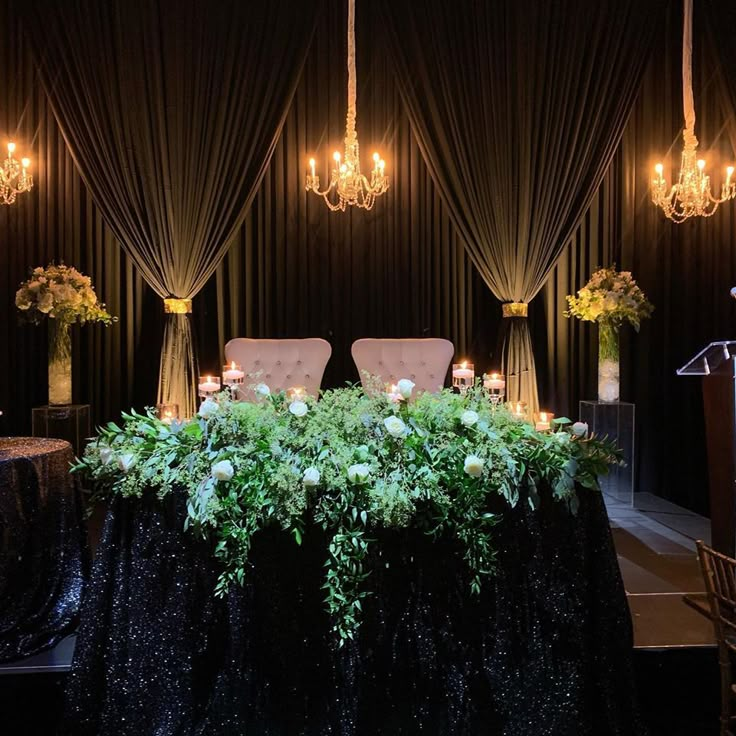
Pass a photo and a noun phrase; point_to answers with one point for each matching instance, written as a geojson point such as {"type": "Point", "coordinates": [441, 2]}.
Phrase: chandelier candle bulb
{"type": "Point", "coordinates": [208, 385]}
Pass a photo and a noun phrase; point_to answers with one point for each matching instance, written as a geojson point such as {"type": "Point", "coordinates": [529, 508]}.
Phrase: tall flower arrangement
{"type": "Point", "coordinates": [64, 296]}
{"type": "Point", "coordinates": [611, 298]}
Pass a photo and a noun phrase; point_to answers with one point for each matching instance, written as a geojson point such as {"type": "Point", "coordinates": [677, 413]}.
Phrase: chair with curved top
{"type": "Point", "coordinates": [280, 364]}
{"type": "Point", "coordinates": [425, 361]}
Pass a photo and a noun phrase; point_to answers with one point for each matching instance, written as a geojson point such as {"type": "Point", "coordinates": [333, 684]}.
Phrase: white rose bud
{"type": "Point", "coordinates": [311, 477]}
{"type": "Point", "coordinates": [223, 470]}
{"type": "Point", "coordinates": [106, 455]}
{"type": "Point", "coordinates": [405, 387]}
{"type": "Point", "coordinates": [395, 426]}
{"type": "Point", "coordinates": [469, 418]}
{"type": "Point", "coordinates": [298, 408]}
{"type": "Point", "coordinates": [207, 408]}
{"type": "Point", "coordinates": [263, 390]}
{"type": "Point", "coordinates": [580, 429]}
{"type": "Point", "coordinates": [358, 473]}
{"type": "Point", "coordinates": [474, 466]}
{"type": "Point", "coordinates": [125, 462]}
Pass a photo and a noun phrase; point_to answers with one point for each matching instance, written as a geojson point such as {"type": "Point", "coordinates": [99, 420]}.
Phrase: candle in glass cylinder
{"type": "Point", "coordinates": [544, 421]}
{"type": "Point", "coordinates": [296, 393]}
{"type": "Point", "coordinates": [518, 409]}
{"type": "Point", "coordinates": [167, 413]}
{"type": "Point", "coordinates": [208, 385]}
{"type": "Point", "coordinates": [463, 375]}
{"type": "Point", "coordinates": [232, 374]}
{"type": "Point", "coordinates": [495, 381]}
{"type": "Point", "coordinates": [392, 393]}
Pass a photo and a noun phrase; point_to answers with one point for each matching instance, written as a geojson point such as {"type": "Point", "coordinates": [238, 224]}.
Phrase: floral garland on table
{"type": "Point", "coordinates": [60, 292]}
{"type": "Point", "coordinates": [352, 463]}
{"type": "Point", "coordinates": [610, 296]}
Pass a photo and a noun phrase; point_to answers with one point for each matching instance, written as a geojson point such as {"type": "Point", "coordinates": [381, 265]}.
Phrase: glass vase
{"type": "Point", "coordinates": [60, 363]}
{"type": "Point", "coordinates": [608, 363]}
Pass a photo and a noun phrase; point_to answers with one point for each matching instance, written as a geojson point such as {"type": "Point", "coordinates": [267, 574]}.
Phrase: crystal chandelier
{"type": "Point", "coordinates": [691, 196]}
{"type": "Point", "coordinates": [14, 177]}
{"type": "Point", "coordinates": [347, 185]}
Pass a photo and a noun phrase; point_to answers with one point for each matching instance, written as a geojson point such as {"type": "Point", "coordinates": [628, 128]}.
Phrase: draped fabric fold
{"type": "Point", "coordinates": [518, 114]}
{"type": "Point", "coordinates": [171, 110]}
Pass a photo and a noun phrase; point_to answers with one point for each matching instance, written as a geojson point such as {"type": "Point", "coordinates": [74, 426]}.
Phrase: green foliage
{"type": "Point", "coordinates": [353, 464]}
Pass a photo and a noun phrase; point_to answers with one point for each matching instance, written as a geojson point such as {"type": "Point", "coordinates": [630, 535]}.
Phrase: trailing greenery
{"type": "Point", "coordinates": [351, 463]}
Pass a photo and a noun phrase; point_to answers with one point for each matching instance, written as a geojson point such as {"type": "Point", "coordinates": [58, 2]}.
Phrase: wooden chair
{"type": "Point", "coordinates": [424, 361]}
{"type": "Point", "coordinates": [280, 364]}
{"type": "Point", "coordinates": [719, 573]}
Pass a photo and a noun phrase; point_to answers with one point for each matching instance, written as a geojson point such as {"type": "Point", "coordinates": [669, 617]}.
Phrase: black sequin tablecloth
{"type": "Point", "coordinates": [43, 545]}
{"type": "Point", "coordinates": [545, 650]}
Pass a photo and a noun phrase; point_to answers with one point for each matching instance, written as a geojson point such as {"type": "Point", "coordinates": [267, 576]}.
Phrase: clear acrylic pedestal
{"type": "Point", "coordinates": [614, 420]}
{"type": "Point", "coordinates": [69, 422]}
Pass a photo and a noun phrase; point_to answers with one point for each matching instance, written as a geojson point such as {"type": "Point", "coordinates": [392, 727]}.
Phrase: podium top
{"type": "Point", "coordinates": [718, 357]}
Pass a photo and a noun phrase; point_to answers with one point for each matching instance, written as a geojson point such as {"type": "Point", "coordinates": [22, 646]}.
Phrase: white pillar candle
{"type": "Point", "coordinates": [494, 381]}
{"type": "Point", "coordinates": [209, 385]}
{"type": "Point", "coordinates": [232, 373]}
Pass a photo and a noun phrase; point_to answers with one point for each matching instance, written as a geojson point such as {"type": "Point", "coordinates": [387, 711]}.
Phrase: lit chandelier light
{"type": "Point", "coordinates": [691, 196]}
{"type": "Point", "coordinates": [347, 185]}
{"type": "Point", "coordinates": [14, 177]}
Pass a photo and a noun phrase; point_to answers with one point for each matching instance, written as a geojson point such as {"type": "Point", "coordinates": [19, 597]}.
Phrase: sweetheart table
{"type": "Point", "coordinates": [544, 649]}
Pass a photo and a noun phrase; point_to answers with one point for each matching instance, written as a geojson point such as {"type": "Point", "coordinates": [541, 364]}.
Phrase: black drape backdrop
{"type": "Point", "coordinates": [398, 270]}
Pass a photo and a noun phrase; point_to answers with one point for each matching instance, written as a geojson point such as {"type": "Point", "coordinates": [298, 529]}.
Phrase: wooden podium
{"type": "Point", "coordinates": [717, 364]}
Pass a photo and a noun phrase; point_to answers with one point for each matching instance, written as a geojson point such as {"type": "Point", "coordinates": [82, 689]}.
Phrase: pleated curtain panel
{"type": "Point", "coordinates": [172, 126]}
{"type": "Point", "coordinates": [518, 115]}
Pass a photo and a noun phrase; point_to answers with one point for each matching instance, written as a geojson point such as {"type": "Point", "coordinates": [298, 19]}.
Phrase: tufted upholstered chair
{"type": "Point", "coordinates": [280, 363]}
{"type": "Point", "coordinates": [424, 361]}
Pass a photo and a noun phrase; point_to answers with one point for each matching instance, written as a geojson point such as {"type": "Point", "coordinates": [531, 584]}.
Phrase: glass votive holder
{"type": "Point", "coordinates": [463, 375]}
{"type": "Point", "coordinates": [208, 386]}
{"type": "Point", "coordinates": [232, 374]}
{"type": "Point", "coordinates": [296, 393]}
{"type": "Point", "coordinates": [543, 421]}
{"type": "Point", "coordinates": [167, 413]}
{"type": "Point", "coordinates": [518, 409]}
{"type": "Point", "coordinates": [495, 386]}
{"type": "Point", "coordinates": [392, 393]}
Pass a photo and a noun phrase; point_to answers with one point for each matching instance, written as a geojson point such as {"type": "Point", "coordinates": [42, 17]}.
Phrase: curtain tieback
{"type": "Point", "coordinates": [515, 309]}
{"type": "Point", "coordinates": [177, 306]}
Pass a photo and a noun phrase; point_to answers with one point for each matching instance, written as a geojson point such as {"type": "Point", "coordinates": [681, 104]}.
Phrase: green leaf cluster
{"type": "Point", "coordinates": [248, 466]}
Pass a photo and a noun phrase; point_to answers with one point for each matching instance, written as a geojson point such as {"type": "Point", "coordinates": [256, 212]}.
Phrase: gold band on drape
{"type": "Point", "coordinates": [515, 309]}
{"type": "Point", "coordinates": [177, 306]}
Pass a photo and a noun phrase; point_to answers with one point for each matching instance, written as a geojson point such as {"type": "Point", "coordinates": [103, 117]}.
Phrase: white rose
{"type": "Point", "coordinates": [208, 408]}
{"type": "Point", "coordinates": [106, 455]}
{"type": "Point", "coordinates": [405, 387]}
{"type": "Point", "coordinates": [311, 477]}
{"type": "Point", "coordinates": [474, 466]}
{"type": "Point", "coordinates": [263, 390]}
{"type": "Point", "coordinates": [298, 408]}
{"type": "Point", "coordinates": [580, 429]}
{"type": "Point", "coordinates": [358, 473]}
{"type": "Point", "coordinates": [395, 426]}
{"type": "Point", "coordinates": [469, 418]}
{"type": "Point", "coordinates": [125, 462]}
{"type": "Point", "coordinates": [223, 470]}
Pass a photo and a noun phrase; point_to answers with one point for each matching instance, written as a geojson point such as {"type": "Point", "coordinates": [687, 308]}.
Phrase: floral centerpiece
{"type": "Point", "coordinates": [64, 296]}
{"type": "Point", "coordinates": [351, 463]}
{"type": "Point", "coordinates": [610, 298]}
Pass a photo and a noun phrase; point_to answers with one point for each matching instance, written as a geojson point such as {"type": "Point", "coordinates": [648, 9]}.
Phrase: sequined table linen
{"type": "Point", "coordinates": [544, 650]}
{"type": "Point", "coordinates": [43, 545]}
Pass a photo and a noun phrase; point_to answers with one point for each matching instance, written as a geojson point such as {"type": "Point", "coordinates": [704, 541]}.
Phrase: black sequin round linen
{"type": "Point", "coordinates": [545, 650]}
{"type": "Point", "coordinates": [43, 545]}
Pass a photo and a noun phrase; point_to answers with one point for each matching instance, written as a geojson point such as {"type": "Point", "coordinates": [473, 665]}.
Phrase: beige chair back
{"type": "Point", "coordinates": [280, 364]}
{"type": "Point", "coordinates": [424, 361]}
